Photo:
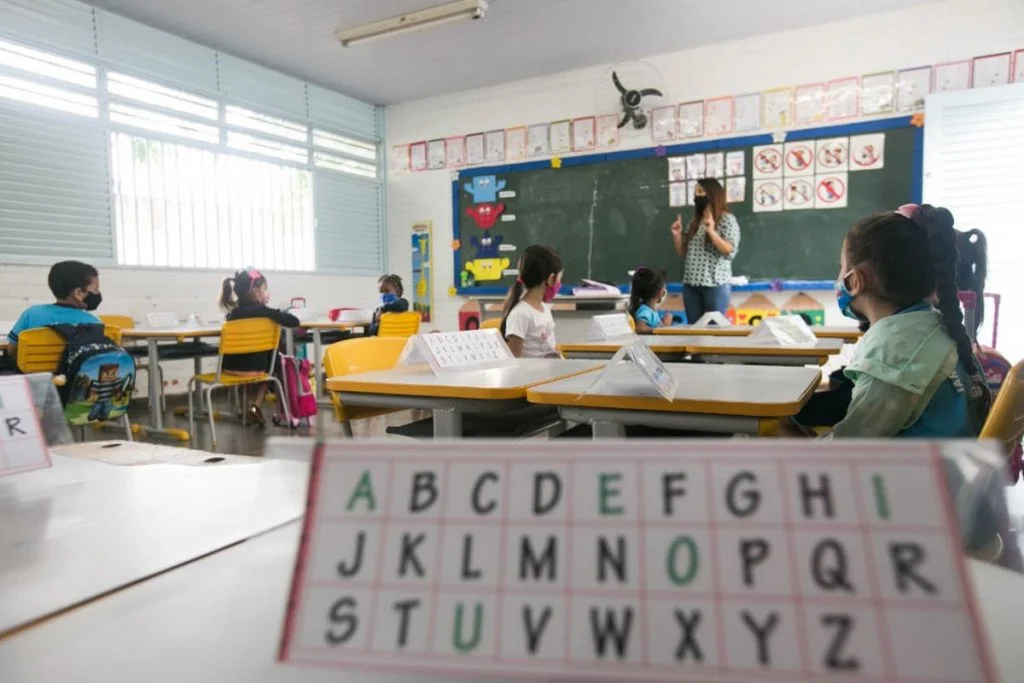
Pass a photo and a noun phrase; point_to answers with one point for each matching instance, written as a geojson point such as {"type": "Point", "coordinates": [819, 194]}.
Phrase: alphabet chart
{"type": "Point", "coordinates": [22, 447]}
{"type": "Point", "coordinates": [447, 351]}
{"type": "Point", "coordinates": [691, 561]}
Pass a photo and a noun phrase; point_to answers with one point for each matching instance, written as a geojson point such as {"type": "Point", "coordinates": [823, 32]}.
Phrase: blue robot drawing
{"type": "Point", "coordinates": [484, 188]}
{"type": "Point", "coordinates": [487, 246]}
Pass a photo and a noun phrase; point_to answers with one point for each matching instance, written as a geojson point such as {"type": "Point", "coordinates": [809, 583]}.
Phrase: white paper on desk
{"type": "Point", "coordinates": [649, 364]}
{"type": "Point", "coordinates": [610, 326]}
{"type": "Point", "coordinates": [785, 330]}
{"type": "Point", "coordinates": [162, 320]}
{"type": "Point", "coordinates": [712, 319]}
{"type": "Point", "coordinates": [22, 444]}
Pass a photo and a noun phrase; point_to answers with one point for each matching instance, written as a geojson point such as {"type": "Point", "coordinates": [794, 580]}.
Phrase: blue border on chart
{"type": "Point", "coordinates": [859, 128]}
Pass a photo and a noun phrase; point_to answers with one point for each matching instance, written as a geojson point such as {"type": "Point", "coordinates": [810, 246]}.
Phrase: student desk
{"type": "Point", "coordinates": [450, 395]}
{"type": "Point", "coordinates": [713, 349]}
{"type": "Point", "coordinates": [81, 528]}
{"type": "Point", "coordinates": [220, 618]}
{"type": "Point", "coordinates": [731, 399]}
{"type": "Point", "coordinates": [153, 337]}
{"type": "Point", "coordinates": [849, 335]}
{"type": "Point", "coordinates": [666, 347]}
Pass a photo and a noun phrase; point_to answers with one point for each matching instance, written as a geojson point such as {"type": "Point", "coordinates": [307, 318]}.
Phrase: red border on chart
{"type": "Point", "coordinates": [674, 132]}
{"type": "Point", "coordinates": [444, 145]}
{"type": "Point", "coordinates": [828, 98]}
{"type": "Point", "coordinates": [593, 133]}
{"type": "Point", "coordinates": [426, 162]}
{"type": "Point", "coordinates": [1018, 60]}
{"type": "Point", "coordinates": [615, 120]}
{"type": "Point", "coordinates": [679, 120]}
{"type": "Point", "coordinates": [526, 143]}
{"type": "Point", "coordinates": [796, 102]}
{"type": "Point", "coordinates": [732, 113]}
{"type": "Point", "coordinates": [1009, 66]}
{"type": "Point", "coordinates": [448, 154]}
{"type": "Point", "coordinates": [970, 72]}
{"type": "Point", "coordinates": [483, 148]}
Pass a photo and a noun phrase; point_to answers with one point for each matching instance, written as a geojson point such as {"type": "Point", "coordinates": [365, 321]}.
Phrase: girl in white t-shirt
{"type": "Point", "coordinates": [526, 321]}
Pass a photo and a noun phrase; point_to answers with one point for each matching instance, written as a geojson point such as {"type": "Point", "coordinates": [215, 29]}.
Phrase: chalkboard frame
{"type": "Point", "coordinates": [859, 128]}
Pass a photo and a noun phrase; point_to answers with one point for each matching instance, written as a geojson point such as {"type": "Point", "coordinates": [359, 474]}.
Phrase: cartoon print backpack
{"type": "Point", "coordinates": [294, 373]}
{"type": "Point", "coordinates": [99, 375]}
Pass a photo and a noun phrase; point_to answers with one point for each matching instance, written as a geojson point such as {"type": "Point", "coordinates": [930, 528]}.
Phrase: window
{"type": "Point", "coordinates": [270, 148]}
{"type": "Point", "coordinates": [243, 118]}
{"type": "Point", "coordinates": [45, 80]}
{"type": "Point", "coordinates": [185, 207]}
{"type": "Point", "coordinates": [152, 94]}
{"type": "Point", "coordinates": [37, 63]}
{"type": "Point", "coordinates": [134, 117]}
{"type": "Point", "coordinates": [348, 146]}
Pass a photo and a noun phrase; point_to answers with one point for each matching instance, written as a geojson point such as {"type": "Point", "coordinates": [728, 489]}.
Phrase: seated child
{"type": "Point", "coordinates": [76, 288]}
{"type": "Point", "coordinates": [245, 296]}
{"type": "Point", "coordinates": [526, 321]}
{"type": "Point", "coordinates": [646, 293]}
{"type": "Point", "coordinates": [391, 301]}
{"type": "Point", "coordinates": [914, 372]}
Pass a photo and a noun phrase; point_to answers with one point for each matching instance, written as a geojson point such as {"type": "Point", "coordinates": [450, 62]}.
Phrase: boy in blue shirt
{"type": "Point", "coordinates": [76, 287]}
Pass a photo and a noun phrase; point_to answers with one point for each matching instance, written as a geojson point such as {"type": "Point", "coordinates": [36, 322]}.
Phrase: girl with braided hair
{"type": "Point", "coordinates": [914, 372]}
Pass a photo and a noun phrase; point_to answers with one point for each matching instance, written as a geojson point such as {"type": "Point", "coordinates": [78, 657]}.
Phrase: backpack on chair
{"type": "Point", "coordinates": [99, 375]}
{"type": "Point", "coordinates": [294, 373]}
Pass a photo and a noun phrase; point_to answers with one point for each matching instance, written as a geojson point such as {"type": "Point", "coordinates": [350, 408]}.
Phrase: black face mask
{"type": "Point", "coordinates": [92, 300]}
{"type": "Point", "coordinates": [701, 204]}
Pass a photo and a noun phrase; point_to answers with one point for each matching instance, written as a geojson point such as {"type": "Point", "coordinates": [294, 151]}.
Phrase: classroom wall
{"type": "Point", "coordinates": [137, 291]}
{"type": "Point", "coordinates": [929, 34]}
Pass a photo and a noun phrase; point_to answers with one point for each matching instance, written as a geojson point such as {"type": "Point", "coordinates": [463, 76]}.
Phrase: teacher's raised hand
{"type": "Point", "coordinates": [677, 226]}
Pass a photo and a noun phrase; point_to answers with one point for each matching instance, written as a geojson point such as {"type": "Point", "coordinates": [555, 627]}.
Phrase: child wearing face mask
{"type": "Point", "coordinates": [646, 292]}
{"type": "Point", "coordinates": [243, 297]}
{"type": "Point", "coordinates": [76, 288]}
{"type": "Point", "coordinates": [914, 372]}
{"type": "Point", "coordinates": [391, 301]}
{"type": "Point", "coordinates": [526, 321]}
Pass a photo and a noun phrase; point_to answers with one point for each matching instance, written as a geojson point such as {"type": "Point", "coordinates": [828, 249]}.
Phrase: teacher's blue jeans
{"type": "Point", "coordinates": [701, 300]}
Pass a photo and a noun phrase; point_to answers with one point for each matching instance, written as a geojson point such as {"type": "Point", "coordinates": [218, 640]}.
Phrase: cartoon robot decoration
{"type": "Point", "coordinates": [488, 246]}
{"type": "Point", "coordinates": [807, 307]}
{"type": "Point", "coordinates": [485, 215]}
{"type": "Point", "coordinates": [484, 188]}
{"type": "Point", "coordinates": [755, 309]}
{"type": "Point", "coordinates": [486, 269]}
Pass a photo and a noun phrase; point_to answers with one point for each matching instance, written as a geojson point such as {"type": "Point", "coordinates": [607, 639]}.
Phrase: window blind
{"type": "Point", "coordinates": [974, 144]}
{"type": "Point", "coordinates": [348, 218]}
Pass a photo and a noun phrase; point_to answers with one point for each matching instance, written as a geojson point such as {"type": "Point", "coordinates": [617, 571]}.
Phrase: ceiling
{"type": "Point", "coordinates": [517, 39]}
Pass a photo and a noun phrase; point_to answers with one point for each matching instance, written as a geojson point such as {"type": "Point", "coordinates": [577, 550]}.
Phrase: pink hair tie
{"type": "Point", "coordinates": [519, 281]}
{"type": "Point", "coordinates": [908, 210]}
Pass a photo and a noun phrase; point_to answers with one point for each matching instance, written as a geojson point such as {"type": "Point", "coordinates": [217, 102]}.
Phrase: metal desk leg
{"type": "Point", "coordinates": [608, 430]}
{"type": "Point", "coordinates": [318, 364]}
{"type": "Point", "coordinates": [447, 424]}
{"type": "Point", "coordinates": [289, 341]}
{"type": "Point", "coordinates": [154, 390]}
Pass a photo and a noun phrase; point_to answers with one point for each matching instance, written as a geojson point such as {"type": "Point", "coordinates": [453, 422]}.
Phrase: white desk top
{"type": "Point", "coordinates": [83, 528]}
{"type": "Point", "coordinates": [510, 382]}
{"type": "Point", "coordinates": [749, 391]}
{"type": "Point", "coordinates": [219, 619]}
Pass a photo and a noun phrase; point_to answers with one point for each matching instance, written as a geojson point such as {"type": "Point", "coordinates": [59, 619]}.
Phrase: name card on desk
{"type": "Point", "coordinates": [22, 445]}
{"type": "Point", "coordinates": [711, 320]}
{"type": "Point", "coordinates": [787, 330]}
{"type": "Point", "coordinates": [647, 362]}
{"type": "Point", "coordinates": [684, 561]}
{"type": "Point", "coordinates": [449, 351]}
{"type": "Point", "coordinates": [610, 326]}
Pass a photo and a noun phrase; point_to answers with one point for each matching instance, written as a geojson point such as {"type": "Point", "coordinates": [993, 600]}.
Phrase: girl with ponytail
{"type": "Point", "coordinates": [526, 321]}
{"type": "Point", "coordinates": [914, 372]}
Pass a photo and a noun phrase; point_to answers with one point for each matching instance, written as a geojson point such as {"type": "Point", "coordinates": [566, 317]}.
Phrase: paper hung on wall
{"type": "Point", "coordinates": [736, 190]}
{"type": "Point", "coordinates": [495, 145]}
{"type": "Point", "coordinates": [735, 163]}
{"type": "Point", "coordinates": [912, 86]}
{"type": "Point", "coordinates": [778, 107]}
{"type": "Point", "coordinates": [663, 123]}
{"type": "Point", "coordinates": [867, 152]}
{"type": "Point", "coordinates": [714, 165]}
{"type": "Point", "coordinates": [833, 155]}
{"type": "Point", "coordinates": [475, 149]}
{"type": "Point", "coordinates": [583, 134]}
{"type": "Point", "coordinates": [456, 150]}
{"type": "Point", "coordinates": [608, 131]}
{"type": "Point", "coordinates": [799, 159]}
{"type": "Point", "coordinates": [718, 115]}
{"type": "Point", "coordinates": [400, 158]}
{"type": "Point", "coordinates": [767, 195]}
{"type": "Point", "coordinates": [437, 154]}
{"type": "Point", "coordinates": [748, 112]}
{"type": "Point", "coordinates": [843, 98]}
{"type": "Point", "coordinates": [538, 141]}
{"type": "Point", "coordinates": [991, 70]}
{"type": "Point", "coordinates": [696, 166]}
{"type": "Point", "coordinates": [1018, 66]}
{"type": "Point", "coordinates": [677, 194]}
{"type": "Point", "coordinates": [691, 192]}
{"type": "Point", "coordinates": [831, 191]}
{"type": "Point", "coordinates": [798, 194]}
{"type": "Point", "coordinates": [877, 93]}
{"type": "Point", "coordinates": [561, 137]}
{"type": "Point", "coordinates": [515, 144]}
{"type": "Point", "coordinates": [811, 103]}
{"type": "Point", "coordinates": [768, 161]}
{"type": "Point", "coordinates": [418, 156]}
{"type": "Point", "coordinates": [691, 120]}
{"type": "Point", "coordinates": [676, 169]}
{"type": "Point", "coordinates": [953, 76]}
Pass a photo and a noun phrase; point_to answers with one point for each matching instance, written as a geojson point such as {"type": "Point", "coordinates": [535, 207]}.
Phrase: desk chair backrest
{"type": "Point", "coordinates": [39, 350]}
{"type": "Point", "coordinates": [254, 335]}
{"type": "Point", "coordinates": [1005, 421]}
{"type": "Point", "coordinates": [399, 324]}
{"type": "Point", "coordinates": [122, 322]}
{"type": "Point", "coordinates": [491, 324]}
{"type": "Point", "coordinates": [363, 354]}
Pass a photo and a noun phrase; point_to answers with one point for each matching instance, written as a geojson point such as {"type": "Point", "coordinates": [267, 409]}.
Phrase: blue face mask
{"type": "Point", "coordinates": [845, 299]}
{"type": "Point", "coordinates": [387, 298]}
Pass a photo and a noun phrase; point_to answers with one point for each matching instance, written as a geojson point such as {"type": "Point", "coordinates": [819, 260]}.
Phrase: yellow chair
{"type": "Point", "coordinates": [113, 326]}
{"type": "Point", "coordinates": [361, 355]}
{"type": "Point", "coordinates": [1005, 421]}
{"type": "Point", "coordinates": [238, 337]}
{"type": "Point", "coordinates": [399, 324]}
{"type": "Point", "coordinates": [40, 350]}
{"type": "Point", "coordinates": [632, 323]}
{"type": "Point", "coordinates": [491, 324]}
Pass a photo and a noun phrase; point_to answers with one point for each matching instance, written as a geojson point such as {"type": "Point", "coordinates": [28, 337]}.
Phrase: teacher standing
{"type": "Point", "coordinates": [708, 245]}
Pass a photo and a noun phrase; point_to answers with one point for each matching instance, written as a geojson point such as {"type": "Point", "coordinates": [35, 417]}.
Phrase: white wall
{"type": "Point", "coordinates": [930, 34]}
{"type": "Point", "coordinates": [137, 291]}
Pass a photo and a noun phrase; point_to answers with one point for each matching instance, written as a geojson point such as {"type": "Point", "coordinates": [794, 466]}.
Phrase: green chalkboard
{"type": "Point", "coordinates": [612, 215]}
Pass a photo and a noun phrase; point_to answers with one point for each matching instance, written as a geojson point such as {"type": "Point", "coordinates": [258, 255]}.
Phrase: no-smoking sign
{"type": "Point", "coordinates": [830, 191]}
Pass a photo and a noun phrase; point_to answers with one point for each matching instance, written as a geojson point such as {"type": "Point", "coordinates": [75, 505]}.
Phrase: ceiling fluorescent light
{"type": "Point", "coordinates": [413, 21]}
